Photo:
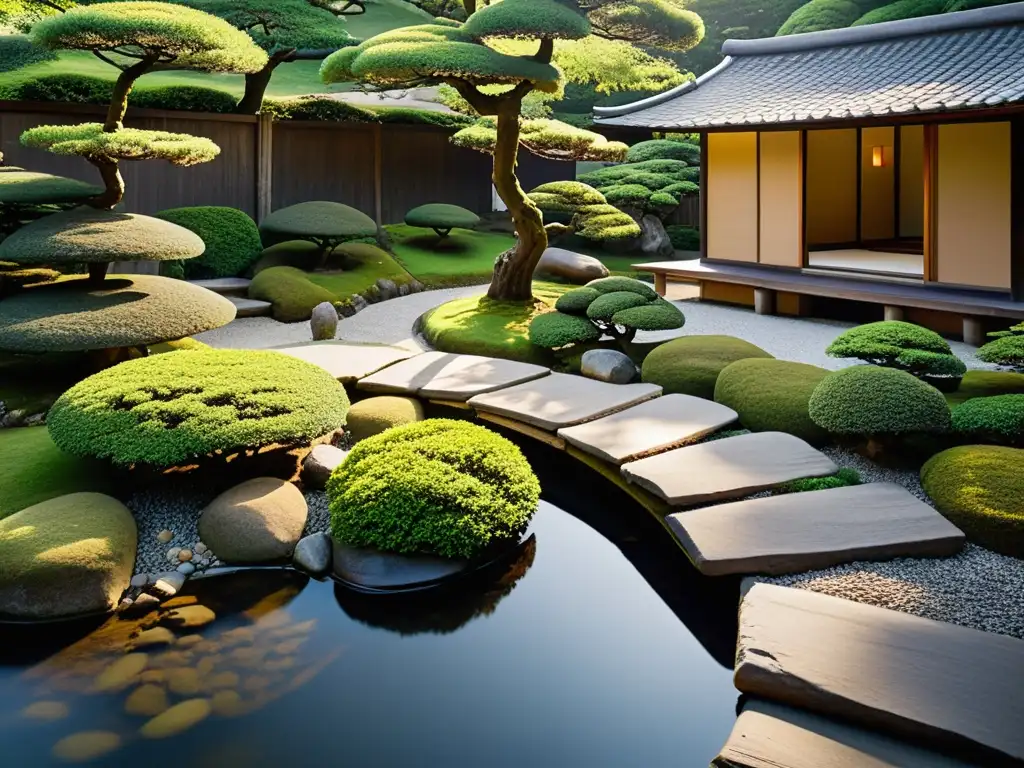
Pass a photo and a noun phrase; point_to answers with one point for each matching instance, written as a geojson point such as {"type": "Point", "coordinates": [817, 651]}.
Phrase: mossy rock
{"type": "Point", "coordinates": [980, 489]}
{"type": "Point", "coordinates": [87, 235]}
{"type": "Point", "coordinates": [123, 311]}
{"type": "Point", "coordinates": [21, 187]}
{"type": "Point", "coordinates": [376, 414]}
{"type": "Point", "coordinates": [772, 396]}
{"type": "Point", "coordinates": [690, 365]}
{"type": "Point", "coordinates": [231, 238]}
{"type": "Point", "coordinates": [290, 291]}
{"type": "Point", "coordinates": [66, 556]}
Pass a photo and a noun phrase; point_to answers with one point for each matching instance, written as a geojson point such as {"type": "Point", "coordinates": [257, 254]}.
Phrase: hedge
{"type": "Point", "coordinates": [17, 51]}
{"type": "Point", "coordinates": [231, 238]}
{"type": "Point", "coordinates": [436, 487]}
{"type": "Point", "coordinates": [664, 149]}
{"type": "Point", "coordinates": [374, 415]}
{"type": "Point", "coordinates": [998, 419]}
{"type": "Point", "coordinates": [683, 238]}
{"type": "Point", "coordinates": [690, 365]}
{"type": "Point", "coordinates": [170, 409]}
{"type": "Point", "coordinates": [980, 488]}
{"type": "Point", "coordinates": [819, 15]}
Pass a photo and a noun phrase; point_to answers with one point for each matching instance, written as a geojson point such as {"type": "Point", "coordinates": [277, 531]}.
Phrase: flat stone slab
{"type": "Point", "coordinates": [447, 376]}
{"type": "Point", "coordinates": [728, 468]}
{"type": "Point", "coordinates": [649, 427]}
{"type": "Point", "coordinates": [250, 307]}
{"type": "Point", "coordinates": [797, 532]}
{"type": "Point", "coordinates": [347, 361]}
{"type": "Point", "coordinates": [769, 735]}
{"type": "Point", "coordinates": [947, 685]}
{"type": "Point", "coordinates": [562, 400]}
{"type": "Point", "coordinates": [224, 284]}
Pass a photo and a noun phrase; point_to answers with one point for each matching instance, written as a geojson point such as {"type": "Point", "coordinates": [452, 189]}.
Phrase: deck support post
{"type": "Point", "coordinates": [660, 283]}
{"type": "Point", "coordinates": [974, 331]}
{"type": "Point", "coordinates": [764, 301]}
{"type": "Point", "coordinates": [893, 313]}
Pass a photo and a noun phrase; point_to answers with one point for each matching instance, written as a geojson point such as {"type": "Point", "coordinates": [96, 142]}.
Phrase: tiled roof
{"type": "Point", "coordinates": [957, 61]}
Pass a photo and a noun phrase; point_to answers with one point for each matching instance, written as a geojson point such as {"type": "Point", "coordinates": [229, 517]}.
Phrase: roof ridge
{"type": "Point", "coordinates": [661, 98]}
{"type": "Point", "coordinates": [992, 16]}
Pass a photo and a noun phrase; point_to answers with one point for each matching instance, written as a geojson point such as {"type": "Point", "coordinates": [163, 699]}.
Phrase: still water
{"type": "Point", "coordinates": [595, 646]}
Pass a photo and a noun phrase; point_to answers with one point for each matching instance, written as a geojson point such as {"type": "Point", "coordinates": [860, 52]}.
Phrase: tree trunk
{"type": "Point", "coordinates": [123, 86]}
{"type": "Point", "coordinates": [97, 273]}
{"type": "Point", "coordinates": [113, 184]}
{"type": "Point", "coordinates": [256, 83]}
{"type": "Point", "coordinates": [513, 270]}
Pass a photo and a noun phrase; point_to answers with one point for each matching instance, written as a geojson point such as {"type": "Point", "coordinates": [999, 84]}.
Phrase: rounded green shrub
{"type": "Point", "coordinates": [818, 15]}
{"type": "Point", "coordinates": [998, 419]}
{"type": "Point", "coordinates": [980, 489]}
{"type": "Point", "coordinates": [772, 396]}
{"type": "Point", "coordinates": [868, 401]}
{"type": "Point", "coordinates": [690, 365]}
{"type": "Point", "coordinates": [658, 315]}
{"type": "Point", "coordinates": [69, 87]}
{"type": "Point", "coordinates": [614, 284]}
{"type": "Point", "coordinates": [191, 98]}
{"type": "Point", "coordinates": [663, 149]}
{"type": "Point", "coordinates": [908, 347]}
{"type": "Point", "coordinates": [554, 330]}
{"type": "Point", "coordinates": [441, 217]}
{"type": "Point", "coordinates": [1006, 350]}
{"type": "Point", "coordinates": [576, 301]}
{"type": "Point", "coordinates": [376, 414]}
{"type": "Point", "coordinates": [606, 305]}
{"type": "Point", "coordinates": [902, 9]}
{"type": "Point", "coordinates": [290, 291]}
{"type": "Point", "coordinates": [437, 487]}
{"type": "Point", "coordinates": [167, 410]}
{"type": "Point", "coordinates": [683, 238]}
{"type": "Point", "coordinates": [322, 222]}
{"type": "Point", "coordinates": [231, 238]}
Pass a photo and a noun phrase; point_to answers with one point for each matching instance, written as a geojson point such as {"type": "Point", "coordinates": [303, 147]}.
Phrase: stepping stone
{"type": "Point", "coordinates": [651, 427]}
{"type": "Point", "coordinates": [347, 361]}
{"type": "Point", "coordinates": [250, 307]}
{"type": "Point", "coordinates": [728, 468]}
{"type": "Point", "coordinates": [223, 285]}
{"type": "Point", "coordinates": [446, 376]}
{"type": "Point", "coordinates": [943, 684]}
{"type": "Point", "coordinates": [798, 532]}
{"type": "Point", "coordinates": [768, 735]}
{"type": "Point", "coordinates": [561, 400]}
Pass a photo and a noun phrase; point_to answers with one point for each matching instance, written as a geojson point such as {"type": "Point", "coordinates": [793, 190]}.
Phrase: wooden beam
{"type": "Point", "coordinates": [703, 195]}
{"type": "Point", "coordinates": [860, 183]}
{"type": "Point", "coordinates": [804, 258]}
{"type": "Point", "coordinates": [1017, 208]}
{"type": "Point", "coordinates": [931, 203]}
{"type": "Point", "coordinates": [264, 166]}
{"type": "Point", "coordinates": [897, 171]}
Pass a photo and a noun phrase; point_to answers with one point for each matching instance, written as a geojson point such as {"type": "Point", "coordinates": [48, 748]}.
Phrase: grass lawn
{"type": "Point", "coordinates": [32, 470]}
{"type": "Point", "coordinates": [465, 257]}
{"type": "Point", "coordinates": [480, 326]}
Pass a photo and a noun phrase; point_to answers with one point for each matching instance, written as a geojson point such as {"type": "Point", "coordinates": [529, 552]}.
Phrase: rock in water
{"type": "Point", "coordinates": [258, 521]}
{"type": "Point", "coordinates": [66, 556]}
{"type": "Point", "coordinates": [320, 463]}
{"type": "Point", "coordinates": [607, 365]}
{"type": "Point", "coordinates": [569, 265]}
{"type": "Point", "coordinates": [654, 240]}
{"type": "Point", "coordinates": [313, 554]}
{"type": "Point", "coordinates": [324, 321]}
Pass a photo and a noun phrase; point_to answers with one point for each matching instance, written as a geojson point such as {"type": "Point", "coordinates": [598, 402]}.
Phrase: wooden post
{"type": "Point", "coordinates": [764, 301]}
{"type": "Point", "coordinates": [659, 283]}
{"type": "Point", "coordinates": [704, 195]}
{"type": "Point", "coordinates": [931, 202]}
{"type": "Point", "coordinates": [1017, 208]}
{"type": "Point", "coordinates": [893, 313]}
{"type": "Point", "coordinates": [264, 166]}
{"type": "Point", "coordinates": [378, 172]}
{"type": "Point", "coordinates": [974, 331]}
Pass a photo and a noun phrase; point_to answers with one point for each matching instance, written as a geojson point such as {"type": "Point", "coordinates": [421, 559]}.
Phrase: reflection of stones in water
{"type": "Point", "coordinates": [227, 650]}
{"type": "Point", "coordinates": [443, 609]}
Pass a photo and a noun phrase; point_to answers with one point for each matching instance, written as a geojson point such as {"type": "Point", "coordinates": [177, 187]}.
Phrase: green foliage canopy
{"type": "Point", "coordinates": [277, 24]}
{"type": "Point", "coordinates": [896, 344]}
{"type": "Point", "coordinates": [90, 141]}
{"type": "Point", "coordinates": [998, 419]}
{"type": "Point", "coordinates": [552, 139]}
{"type": "Point", "coordinates": [441, 217]}
{"type": "Point", "coordinates": [589, 214]}
{"type": "Point", "coordinates": [231, 239]}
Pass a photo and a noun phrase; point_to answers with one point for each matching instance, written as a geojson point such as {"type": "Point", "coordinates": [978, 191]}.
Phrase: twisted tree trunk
{"type": "Point", "coordinates": [123, 86]}
{"type": "Point", "coordinates": [113, 184]}
{"type": "Point", "coordinates": [256, 82]}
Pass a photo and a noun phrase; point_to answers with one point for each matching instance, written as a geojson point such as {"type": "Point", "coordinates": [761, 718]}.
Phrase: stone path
{"type": "Point", "coordinates": [445, 376]}
{"type": "Point", "coordinates": [911, 677]}
{"type": "Point", "coordinates": [236, 290]}
{"type": "Point", "coordinates": [348, 362]}
{"type": "Point", "coordinates": [815, 529]}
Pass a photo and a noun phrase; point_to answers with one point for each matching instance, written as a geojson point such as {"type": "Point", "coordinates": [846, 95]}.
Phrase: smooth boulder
{"type": "Point", "coordinates": [608, 365]}
{"type": "Point", "coordinates": [66, 556]}
{"type": "Point", "coordinates": [260, 520]}
{"type": "Point", "coordinates": [319, 464]}
{"type": "Point", "coordinates": [313, 554]}
{"type": "Point", "coordinates": [575, 267]}
{"type": "Point", "coordinates": [323, 322]}
{"type": "Point", "coordinates": [654, 240]}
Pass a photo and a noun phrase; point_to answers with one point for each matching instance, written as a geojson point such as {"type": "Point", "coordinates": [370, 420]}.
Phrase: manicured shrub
{"type": "Point", "coordinates": [554, 330]}
{"type": "Point", "coordinates": [441, 217]}
{"type": "Point", "coordinates": [772, 396]}
{"type": "Point", "coordinates": [65, 87]}
{"type": "Point", "coordinates": [322, 222]}
{"type": "Point", "coordinates": [585, 209]}
{"type": "Point", "coordinates": [690, 365]}
{"type": "Point", "coordinates": [998, 419]}
{"type": "Point", "coordinates": [636, 185]}
{"type": "Point", "coordinates": [980, 489]}
{"type": "Point", "coordinates": [290, 291]}
{"type": "Point", "coordinates": [871, 402]}
{"type": "Point", "coordinates": [14, 276]}
{"type": "Point", "coordinates": [192, 98]}
{"type": "Point", "coordinates": [818, 15]}
{"type": "Point", "coordinates": [437, 487]}
{"type": "Point", "coordinates": [170, 409]}
{"type": "Point", "coordinates": [17, 51]}
{"type": "Point", "coordinates": [664, 149]}
{"type": "Point", "coordinates": [683, 238]}
{"type": "Point", "coordinates": [1006, 350]}
{"type": "Point", "coordinates": [902, 9]}
{"type": "Point", "coordinates": [317, 108]}
{"type": "Point", "coordinates": [414, 116]}
{"type": "Point", "coordinates": [19, 187]}
{"type": "Point", "coordinates": [231, 238]}
{"type": "Point", "coordinates": [844, 477]}
{"type": "Point", "coordinates": [376, 414]}
{"type": "Point", "coordinates": [985, 384]}
{"type": "Point", "coordinates": [908, 347]}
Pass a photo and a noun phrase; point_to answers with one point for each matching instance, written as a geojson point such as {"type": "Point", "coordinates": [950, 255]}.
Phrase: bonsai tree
{"type": "Point", "coordinates": [470, 59]}
{"type": "Point", "coordinates": [150, 35]}
{"type": "Point", "coordinates": [584, 211]}
{"type": "Point", "coordinates": [442, 218]}
{"type": "Point", "coordinates": [323, 223]}
{"type": "Point", "coordinates": [905, 346]}
{"type": "Point", "coordinates": [611, 306]}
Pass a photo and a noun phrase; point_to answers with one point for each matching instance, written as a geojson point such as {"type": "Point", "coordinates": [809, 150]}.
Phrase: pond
{"type": "Point", "coordinates": [595, 645]}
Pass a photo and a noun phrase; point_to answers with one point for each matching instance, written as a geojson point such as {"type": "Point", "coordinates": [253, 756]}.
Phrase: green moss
{"type": "Point", "coordinates": [690, 365]}
{"type": "Point", "coordinates": [986, 383]}
{"type": "Point", "coordinates": [231, 238]}
{"type": "Point", "coordinates": [998, 419]}
{"type": "Point", "coordinates": [32, 470]}
{"type": "Point", "coordinates": [374, 415]}
{"type": "Point", "coordinates": [438, 487]}
{"type": "Point", "coordinates": [844, 477]}
{"type": "Point", "coordinates": [980, 489]}
{"type": "Point", "coordinates": [867, 400]}
{"type": "Point", "coordinates": [465, 257]}
{"type": "Point", "coordinates": [772, 396]}
{"type": "Point", "coordinates": [441, 217]}
{"type": "Point", "coordinates": [166, 410]}
{"type": "Point", "coordinates": [290, 291]}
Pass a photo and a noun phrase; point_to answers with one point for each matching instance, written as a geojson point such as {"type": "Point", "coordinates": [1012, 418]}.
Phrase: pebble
{"type": "Point", "coordinates": [177, 719]}
{"type": "Point", "coordinates": [186, 568]}
{"type": "Point", "coordinates": [141, 605]}
{"type": "Point", "coordinates": [172, 554]}
{"type": "Point", "coordinates": [313, 554]}
{"type": "Point", "coordinates": [185, 555]}
{"type": "Point", "coordinates": [168, 584]}
{"type": "Point", "coordinates": [147, 701]}
{"type": "Point", "coordinates": [45, 710]}
{"type": "Point", "coordinates": [140, 580]}
{"type": "Point", "coordinates": [154, 636]}
{"type": "Point", "coordinates": [188, 616]}
{"type": "Point", "coordinates": [200, 548]}
{"type": "Point", "coordinates": [121, 673]}
{"type": "Point", "coordinates": [164, 536]}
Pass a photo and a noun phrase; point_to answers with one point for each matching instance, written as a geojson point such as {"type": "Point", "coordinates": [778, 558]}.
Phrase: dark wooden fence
{"type": "Point", "coordinates": [381, 169]}
{"type": "Point", "coordinates": [687, 213]}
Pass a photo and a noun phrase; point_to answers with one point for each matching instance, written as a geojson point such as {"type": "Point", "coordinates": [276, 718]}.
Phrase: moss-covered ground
{"type": "Point", "coordinates": [465, 257]}
{"type": "Point", "coordinates": [986, 384]}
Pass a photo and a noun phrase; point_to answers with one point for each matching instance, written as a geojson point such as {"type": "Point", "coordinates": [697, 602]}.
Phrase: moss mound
{"type": "Point", "coordinates": [438, 487]}
{"type": "Point", "coordinates": [169, 409]}
{"type": "Point", "coordinates": [321, 221]}
{"type": "Point", "coordinates": [231, 238]}
{"type": "Point", "coordinates": [690, 365]}
{"type": "Point", "coordinates": [867, 400]}
{"type": "Point", "coordinates": [33, 470]}
{"type": "Point", "coordinates": [19, 187]}
{"type": "Point", "coordinates": [980, 488]}
{"type": "Point", "coordinates": [998, 419]}
{"type": "Point", "coordinates": [441, 217]}
{"type": "Point", "coordinates": [290, 291]}
{"type": "Point", "coordinates": [66, 556]}
{"type": "Point", "coordinates": [376, 414]}
{"type": "Point", "coordinates": [123, 311]}
{"type": "Point", "coordinates": [985, 384]}
{"type": "Point", "coordinates": [1007, 350]}
{"type": "Point", "coordinates": [772, 396]}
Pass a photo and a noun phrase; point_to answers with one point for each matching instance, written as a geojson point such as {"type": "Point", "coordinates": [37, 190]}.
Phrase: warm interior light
{"type": "Point", "coordinates": [878, 156]}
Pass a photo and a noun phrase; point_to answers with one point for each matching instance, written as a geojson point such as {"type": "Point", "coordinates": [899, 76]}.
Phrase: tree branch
{"type": "Point", "coordinates": [99, 55]}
